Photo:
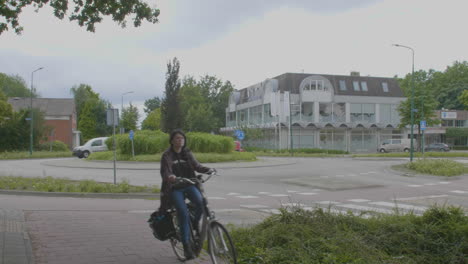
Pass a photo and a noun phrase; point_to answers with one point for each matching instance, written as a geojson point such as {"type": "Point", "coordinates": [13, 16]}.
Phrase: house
{"type": "Point", "coordinates": [352, 113]}
{"type": "Point", "coordinates": [59, 114]}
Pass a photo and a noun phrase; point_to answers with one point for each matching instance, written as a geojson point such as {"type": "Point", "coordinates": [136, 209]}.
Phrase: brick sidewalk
{"type": "Point", "coordinates": [15, 246]}
{"type": "Point", "coordinates": [94, 237]}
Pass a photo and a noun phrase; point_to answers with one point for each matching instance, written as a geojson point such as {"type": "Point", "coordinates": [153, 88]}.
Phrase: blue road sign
{"type": "Point", "coordinates": [423, 124]}
{"type": "Point", "coordinates": [131, 134]}
{"type": "Point", "coordinates": [240, 135]}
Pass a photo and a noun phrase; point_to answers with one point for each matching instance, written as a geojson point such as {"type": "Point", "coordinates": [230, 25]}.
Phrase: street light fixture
{"type": "Point", "coordinates": [412, 99]}
{"type": "Point", "coordinates": [31, 134]}
{"type": "Point", "coordinates": [121, 125]}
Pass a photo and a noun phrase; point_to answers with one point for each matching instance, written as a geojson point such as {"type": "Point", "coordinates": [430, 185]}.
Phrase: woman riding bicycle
{"type": "Point", "coordinates": [178, 161]}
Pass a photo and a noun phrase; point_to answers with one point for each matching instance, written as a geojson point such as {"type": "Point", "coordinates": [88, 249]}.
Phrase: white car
{"type": "Point", "coordinates": [93, 145]}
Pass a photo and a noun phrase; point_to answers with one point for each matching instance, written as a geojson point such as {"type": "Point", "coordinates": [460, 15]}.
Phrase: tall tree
{"type": "Point", "coordinates": [152, 120]}
{"type": "Point", "coordinates": [152, 104]}
{"type": "Point", "coordinates": [130, 117]}
{"type": "Point", "coordinates": [14, 86]}
{"type": "Point", "coordinates": [6, 110]}
{"type": "Point", "coordinates": [450, 84]}
{"type": "Point", "coordinates": [85, 13]}
{"type": "Point", "coordinates": [424, 100]}
{"type": "Point", "coordinates": [170, 109]}
{"type": "Point", "coordinates": [463, 98]}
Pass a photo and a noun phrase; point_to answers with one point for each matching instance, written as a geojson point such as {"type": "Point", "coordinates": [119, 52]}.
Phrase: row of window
{"type": "Point", "coordinates": [328, 112]}
{"type": "Point", "coordinates": [361, 86]}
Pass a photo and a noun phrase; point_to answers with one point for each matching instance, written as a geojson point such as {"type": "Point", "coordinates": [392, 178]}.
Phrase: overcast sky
{"type": "Point", "coordinates": [243, 41]}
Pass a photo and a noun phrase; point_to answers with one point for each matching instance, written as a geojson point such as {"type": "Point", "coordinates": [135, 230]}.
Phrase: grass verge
{"type": "Point", "coordinates": [49, 184]}
{"type": "Point", "coordinates": [416, 154]}
{"type": "Point", "coordinates": [35, 155]}
{"type": "Point", "coordinates": [201, 157]}
{"type": "Point", "coordinates": [439, 167]}
{"type": "Point", "coordinates": [297, 236]}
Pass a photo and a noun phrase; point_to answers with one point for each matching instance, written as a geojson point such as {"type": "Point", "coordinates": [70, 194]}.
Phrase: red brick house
{"type": "Point", "coordinates": [59, 114]}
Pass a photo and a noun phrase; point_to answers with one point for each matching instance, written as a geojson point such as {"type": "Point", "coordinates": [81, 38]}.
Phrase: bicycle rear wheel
{"type": "Point", "coordinates": [220, 244]}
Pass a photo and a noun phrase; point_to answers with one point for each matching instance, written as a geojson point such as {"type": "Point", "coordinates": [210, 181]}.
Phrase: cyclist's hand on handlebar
{"type": "Point", "coordinates": [211, 171]}
{"type": "Point", "coordinates": [172, 178]}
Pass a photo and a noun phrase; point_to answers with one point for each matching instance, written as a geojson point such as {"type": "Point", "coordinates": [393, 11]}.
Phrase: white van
{"type": "Point", "coordinates": [93, 145]}
{"type": "Point", "coordinates": [396, 145]}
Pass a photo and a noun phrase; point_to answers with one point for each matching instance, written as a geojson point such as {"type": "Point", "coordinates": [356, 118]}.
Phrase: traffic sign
{"type": "Point", "coordinates": [240, 135]}
{"type": "Point", "coordinates": [131, 134]}
{"type": "Point", "coordinates": [423, 125]}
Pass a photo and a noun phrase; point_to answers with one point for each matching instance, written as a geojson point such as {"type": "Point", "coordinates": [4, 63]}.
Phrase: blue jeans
{"type": "Point", "coordinates": [178, 199]}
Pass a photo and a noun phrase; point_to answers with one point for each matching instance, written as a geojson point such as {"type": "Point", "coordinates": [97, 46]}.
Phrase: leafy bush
{"type": "Point", "coordinates": [208, 143]}
{"type": "Point", "coordinates": [145, 142]}
{"type": "Point", "coordinates": [442, 167]}
{"type": "Point", "coordinates": [55, 145]}
{"type": "Point", "coordinates": [297, 236]}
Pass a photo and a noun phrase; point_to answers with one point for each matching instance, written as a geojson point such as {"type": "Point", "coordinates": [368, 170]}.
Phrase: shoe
{"type": "Point", "coordinates": [188, 252]}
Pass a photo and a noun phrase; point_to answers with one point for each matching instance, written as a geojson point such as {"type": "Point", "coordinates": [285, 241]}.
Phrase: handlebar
{"type": "Point", "coordinates": [198, 179]}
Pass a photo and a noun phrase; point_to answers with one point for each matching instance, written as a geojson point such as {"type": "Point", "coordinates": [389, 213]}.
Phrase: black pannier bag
{"type": "Point", "coordinates": [162, 226]}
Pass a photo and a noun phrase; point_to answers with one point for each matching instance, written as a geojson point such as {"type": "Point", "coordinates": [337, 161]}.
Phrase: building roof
{"type": "Point", "coordinates": [50, 106]}
{"type": "Point", "coordinates": [291, 82]}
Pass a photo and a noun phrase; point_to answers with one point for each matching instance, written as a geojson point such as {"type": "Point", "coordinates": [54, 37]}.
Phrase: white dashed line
{"type": "Point", "coordinates": [271, 211]}
{"type": "Point", "coordinates": [421, 197]}
{"type": "Point", "coordinates": [367, 208]}
{"type": "Point", "coordinates": [216, 198]}
{"type": "Point", "coordinates": [359, 200]}
{"type": "Point", "coordinates": [461, 192]}
{"type": "Point", "coordinates": [278, 195]}
{"type": "Point", "coordinates": [352, 175]}
{"type": "Point", "coordinates": [253, 206]}
{"type": "Point", "coordinates": [402, 206]}
{"type": "Point", "coordinates": [293, 205]}
{"type": "Point", "coordinates": [290, 191]}
{"type": "Point", "coordinates": [444, 182]}
{"type": "Point", "coordinates": [233, 194]}
{"type": "Point", "coordinates": [414, 185]}
{"type": "Point", "coordinates": [264, 192]}
{"type": "Point", "coordinates": [307, 193]}
{"type": "Point", "coordinates": [247, 197]}
{"type": "Point", "coordinates": [328, 202]}
{"type": "Point", "coordinates": [430, 184]}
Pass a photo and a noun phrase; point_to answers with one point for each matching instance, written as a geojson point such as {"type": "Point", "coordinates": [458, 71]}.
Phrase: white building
{"type": "Point", "coordinates": [352, 113]}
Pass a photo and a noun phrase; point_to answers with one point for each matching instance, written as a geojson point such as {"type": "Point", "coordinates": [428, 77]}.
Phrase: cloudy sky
{"type": "Point", "coordinates": [243, 41]}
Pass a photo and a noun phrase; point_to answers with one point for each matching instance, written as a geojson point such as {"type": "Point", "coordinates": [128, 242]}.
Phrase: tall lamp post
{"type": "Point", "coordinates": [412, 99]}
{"type": "Point", "coordinates": [121, 125]}
{"type": "Point", "coordinates": [31, 134]}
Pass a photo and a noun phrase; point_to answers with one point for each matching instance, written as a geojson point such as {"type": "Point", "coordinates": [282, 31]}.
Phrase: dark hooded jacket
{"type": "Point", "coordinates": [181, 164]}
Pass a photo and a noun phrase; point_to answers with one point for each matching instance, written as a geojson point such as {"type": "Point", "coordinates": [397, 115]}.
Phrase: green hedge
{"type": "Point", "coordinates": [456, 132]}
{"type": "Point", "coordinates": [460, 147]}
{"type": "Point", "coordinates": [298, 150]}
{"type": "Point", "coordinates": [152, 142]}
{"type": "Point", "coordinates": [56, 146]}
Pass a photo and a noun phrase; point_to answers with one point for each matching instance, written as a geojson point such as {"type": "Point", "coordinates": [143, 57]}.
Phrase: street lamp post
{"type": "Point", "coordinates": [412, 99]}
{"type": "Point", "coordinates": [121, 125]}
{"type": "Point", "coordinates": [31, 133]}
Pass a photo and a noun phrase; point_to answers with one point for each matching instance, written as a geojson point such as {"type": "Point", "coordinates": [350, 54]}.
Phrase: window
{"type": "Point", "coordinates": [356, 86]}
{"type": "Point", "coordinates": [385, 87]}
{"type": "Point", "coordinates": [364, 86]}
{"type": "Point", "coordinates": [342, 85]}
{"type": "Point", "coordinates": [97, 143]}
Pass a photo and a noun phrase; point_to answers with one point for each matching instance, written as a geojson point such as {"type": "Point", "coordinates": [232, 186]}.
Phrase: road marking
{"type": "Point", "coordinates": [363, 173]}
{"type": "Point", "coordinates": [402, 206]}
{"type": "Point", "coordinates": [414, 185]}
{"type": "Point", "coordinates": [430, 183]}
{"type": "Point", "coordinates": [366, 208]}
{"type": "Point", "coordinates": [421, 197]}
{"type": "Point", "coordinates": [359, 200]}
{"type": "Point", "coordinates": [290, 191]}
{"type": "Point", "coordinates": [227, 210]}
{"type": "Point", "coordinates": [278, 195]}
{"type": "Point", "coordinates": [372, 172]}
{"type": "Point", "coordinates": [140, 211]}
{"type": "Point", "coordinates": [264, 192]}
{"type": "Point", "coordinates": [458, 191]}
{"type": "Point", "coordinates": [247, 197]}
{"type": "Point", "coordinates": [307, 193]}
{"type": "Point", "coordinates": [328, 202]}
{"type": "Point", "coordinates": [216, 198]}
{"type": "Point", "coordinates": [325, 177]}
{"type": "Point", "coordinates": [271, 211]}
{"type": "Point", "coordinates": [443, 182]}
{"type": "Point", "coordinates": [352, 175]}
{"type": "Point", "coordinates": [293, 205]}
{"type": "Point", "coordinates": [253, 206]}
{"type": "Point", "coordinates": [233, 193]}
{"type": "Point", "coordinates": [340, 175]}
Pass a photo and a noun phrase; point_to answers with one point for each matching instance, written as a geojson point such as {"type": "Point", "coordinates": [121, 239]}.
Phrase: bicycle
{"type": "Point", "coordinates": [220, 246]}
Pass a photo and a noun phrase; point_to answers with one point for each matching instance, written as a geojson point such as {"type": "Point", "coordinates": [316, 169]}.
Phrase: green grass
{"type": "Point", "coordinates": [49, 184]}
{"type": "Point", "coordinates": [201, 157]}
{"type": "Point", "coordinates": [440, 167]}
{"type": "Point", "coordinates": [35, 155]}
{"type": "Point", "coordinates": [297, 236]}
{"type": "Point", "coordinates": [416, 154]}
{"type": "Point", "coordinates": [296, 154]}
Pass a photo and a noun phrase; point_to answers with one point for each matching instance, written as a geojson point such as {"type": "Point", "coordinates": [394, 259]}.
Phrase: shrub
{"type": "Point", "coordinates": [144, 142]}
{"type": "Point", "coordinates": [55, 145]}
{"type": "Point", "coordinates": [204, 143]}
{"type": "Point", "coordinates": [442, 167]}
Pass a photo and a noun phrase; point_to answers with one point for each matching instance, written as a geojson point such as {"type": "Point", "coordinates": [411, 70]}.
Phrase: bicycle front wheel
{"type": "Point", "coordinates": [220, 244]}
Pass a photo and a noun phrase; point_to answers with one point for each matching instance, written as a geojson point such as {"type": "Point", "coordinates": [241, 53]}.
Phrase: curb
{"type": "Point", "coordinates": [84, 195]}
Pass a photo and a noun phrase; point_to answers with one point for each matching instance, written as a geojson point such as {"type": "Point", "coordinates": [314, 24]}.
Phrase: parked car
{"type": "Point", "coordinates": [437, 147]}
{"type": "Point", "coordinates": [93, 145]}
{"type": "Point", "coordinates": [395, 145]}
